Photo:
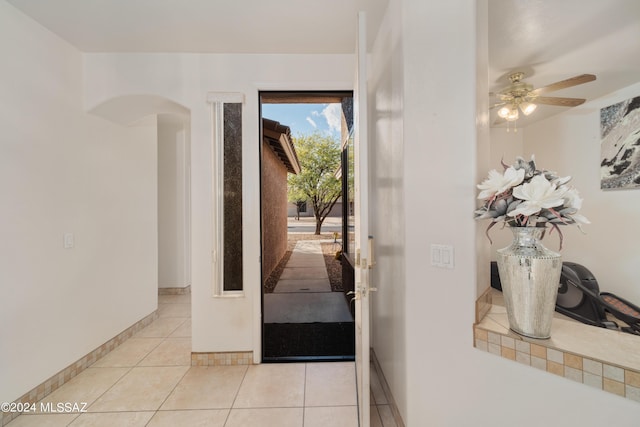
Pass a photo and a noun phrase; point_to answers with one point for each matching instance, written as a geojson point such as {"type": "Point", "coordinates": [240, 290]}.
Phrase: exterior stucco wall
{"type": "Point", "coordinates": [274, 210]}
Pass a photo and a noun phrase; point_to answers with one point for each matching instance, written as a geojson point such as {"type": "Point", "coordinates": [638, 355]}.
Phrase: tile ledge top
{"type": "Point", "coordinates": [609, 346]}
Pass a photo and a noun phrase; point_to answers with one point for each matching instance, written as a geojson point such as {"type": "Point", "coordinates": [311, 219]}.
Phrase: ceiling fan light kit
{"type": "Point", "coordinates": [521, 96]}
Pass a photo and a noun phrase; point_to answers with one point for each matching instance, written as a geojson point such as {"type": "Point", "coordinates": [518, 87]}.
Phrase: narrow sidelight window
{"type": "Point", "coordinates": [227, 193]}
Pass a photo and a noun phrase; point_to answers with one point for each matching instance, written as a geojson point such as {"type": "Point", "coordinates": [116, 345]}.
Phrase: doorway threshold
{"type": "Point", "coordinates": [294, 359]}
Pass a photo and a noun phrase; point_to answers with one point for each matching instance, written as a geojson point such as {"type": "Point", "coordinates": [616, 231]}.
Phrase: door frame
{"type": "Point", "coordinates": [289, 96]}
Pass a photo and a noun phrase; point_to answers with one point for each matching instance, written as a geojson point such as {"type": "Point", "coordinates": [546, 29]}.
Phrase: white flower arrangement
{"type": "Point", "coordinates": [523, 196]}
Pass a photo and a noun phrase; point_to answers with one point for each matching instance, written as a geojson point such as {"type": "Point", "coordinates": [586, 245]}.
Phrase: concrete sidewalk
{"type": "Point", "coordinates": [303, 293]}
{"type": "Point", "coordinates": [307, 225]}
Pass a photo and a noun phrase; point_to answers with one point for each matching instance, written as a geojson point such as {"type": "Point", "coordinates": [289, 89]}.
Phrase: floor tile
{"type": "Point", "coordinates": [171, 352]}
{"type": "Point", "coordinates": [272, 385]}
{"type": "Point", "coordinates": [377, 392]}
{"type": "Point", "coordinates": [148, 381]}
{"type": "Point", "coordinates": [330, 384]}
{"type": "Point", "coordinates": [44, 420]}
{"type": "Point", "coordinates": [119, 419]}
{"type": "Point", "coordinates": [206, 387]}
{"type": "Point", "coordinates": [339, 416]}
{"type": "Point", "coordinates": [87, 386]}
{"type": "Point", "coordinates": [201, 418]}
{"type": "Point", "coordinates": [174, 310]}
{"type": "Point", "coordinates": [375, 420]}
{"type": "Point", "coordinates": [129, 353]}
{"type": "Point", "coordinates": [142, 389]}
{"type": "Point", "coordinates": [174, 299]}
{"type": "Point", "coordinates": [183, 330]}
{"type": "Point", "coordinates": [268, 417]}
{"type": "Point", "coordinates": [161, 327]}
{"type": "Point", "coordinates": [386, 415]}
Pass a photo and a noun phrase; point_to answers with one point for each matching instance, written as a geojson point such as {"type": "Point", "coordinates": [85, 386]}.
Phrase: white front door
{"type": "Point", "coordinates": [362, 248]}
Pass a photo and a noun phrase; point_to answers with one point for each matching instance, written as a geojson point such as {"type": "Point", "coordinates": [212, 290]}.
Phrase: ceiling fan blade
{"type": "Point", "coordinates": [499, 104]}
{"type": "Point", "coordinates": [562, 102]}
{"type": "Point", "coordinates": [573, 81]}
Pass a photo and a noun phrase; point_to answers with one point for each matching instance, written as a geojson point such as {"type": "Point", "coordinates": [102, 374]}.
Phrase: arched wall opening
{"type": "Point", "coordinates": [173, 123]}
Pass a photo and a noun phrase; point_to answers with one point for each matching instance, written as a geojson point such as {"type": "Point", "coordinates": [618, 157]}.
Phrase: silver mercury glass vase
{"type": "Point", "coordinates": [530, 275]}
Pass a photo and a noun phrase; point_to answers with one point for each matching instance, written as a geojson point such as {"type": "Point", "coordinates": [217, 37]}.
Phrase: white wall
{"type": "Point", "coordinates": [174, 265]}
{"type": "Point", "coordinates": [231, 324]}
{"type": "Point", "coordinates": [61, 171]}
{"type": "Point", "coordinates": [426, 346]}
{"type": "Point", "coordinates": [570, 144]}
{"type": "Point", "coordinates": [387, 204]}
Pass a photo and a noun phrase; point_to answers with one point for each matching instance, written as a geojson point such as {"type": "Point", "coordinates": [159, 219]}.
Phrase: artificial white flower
{"type": "Point", "coordinates": [498, 183]}
{"type": "Point", "coordinates": [525, 196]}
{"type": "Point", "coordinates": [580, 219]}
{"type": "Point", "coordinates": [561, 181]}
{"type": "Point", "coordinates": [537, 194]}
{"type": "Point", "coordinates": [572, 199]}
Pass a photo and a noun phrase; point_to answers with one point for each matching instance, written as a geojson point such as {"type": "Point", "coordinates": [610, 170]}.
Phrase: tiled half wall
{"type": "Point", "coordinates": [595, 373]}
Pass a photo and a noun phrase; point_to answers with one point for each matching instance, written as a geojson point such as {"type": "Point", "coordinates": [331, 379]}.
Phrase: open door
{"type": "Point", "coordinates": [362, 239]}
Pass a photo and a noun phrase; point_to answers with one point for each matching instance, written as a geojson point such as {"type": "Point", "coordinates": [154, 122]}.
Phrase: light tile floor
{"type": "Point", "coordinates": [149, 381]}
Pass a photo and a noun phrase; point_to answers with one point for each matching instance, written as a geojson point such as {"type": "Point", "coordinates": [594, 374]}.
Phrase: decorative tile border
{"type": "Point", "coordinates": [595, 373]}
{"type": "Point", "coordinates": [65, 375]}
{"type": "Point", "coordinates": [222, 358]}
{"type": "Point", "coordinates": [175, 291]}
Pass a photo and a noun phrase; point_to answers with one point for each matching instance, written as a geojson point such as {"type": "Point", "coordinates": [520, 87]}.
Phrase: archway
{"type": "Point", "coordinates": [173, 126]}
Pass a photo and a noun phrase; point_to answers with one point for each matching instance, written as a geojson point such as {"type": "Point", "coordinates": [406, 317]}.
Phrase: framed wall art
{"type": "Point", "coordinates": [620, 145]}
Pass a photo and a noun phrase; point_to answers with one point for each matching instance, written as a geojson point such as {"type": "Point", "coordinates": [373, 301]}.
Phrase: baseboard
{"type": "Point", "coordinates": [387, 390]}
{"type": "Point", "coordinates": [175, 291]}
{"type": "Point", "coordinates": [222, 358]}
{"type": "Point", "coordinates": [64, 376]}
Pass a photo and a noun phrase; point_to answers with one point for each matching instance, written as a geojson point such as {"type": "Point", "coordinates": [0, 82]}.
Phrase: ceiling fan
{"type": "Point", "coordinates": [522, 96]}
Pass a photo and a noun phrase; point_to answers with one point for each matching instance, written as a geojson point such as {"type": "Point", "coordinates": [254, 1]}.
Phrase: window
{"type": "Point", "coordinates": [227, 193]}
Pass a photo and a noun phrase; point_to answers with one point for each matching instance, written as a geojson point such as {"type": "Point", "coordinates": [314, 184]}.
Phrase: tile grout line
{"type": "Point", "coordinates": [233, 403]}
{"type": "Point", "coordinates": [149, 352]}
{"type": "Point", "coordinates": [130, 369]}
{"type": "Point", "coordinates": [168, 394]}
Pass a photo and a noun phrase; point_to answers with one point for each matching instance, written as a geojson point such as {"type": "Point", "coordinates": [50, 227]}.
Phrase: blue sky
{"type": "Point", "coordinates": [306, 118]}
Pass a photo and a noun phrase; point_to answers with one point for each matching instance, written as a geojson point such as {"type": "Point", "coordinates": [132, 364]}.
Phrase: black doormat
{"type": "Point", "coordinates": [282, 340]}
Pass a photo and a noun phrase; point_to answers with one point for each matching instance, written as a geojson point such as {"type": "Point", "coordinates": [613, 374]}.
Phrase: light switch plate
{"type": "Point", "coordinates": [442, 256]}
{"type": "Point", "coordinates": [69, 240]}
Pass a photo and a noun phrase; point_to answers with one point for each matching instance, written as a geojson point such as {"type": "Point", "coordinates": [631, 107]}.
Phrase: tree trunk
{"type": "Point", "coordinates": [318, 227]}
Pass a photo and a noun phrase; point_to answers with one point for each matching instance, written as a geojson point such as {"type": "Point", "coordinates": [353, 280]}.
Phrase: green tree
{"type": "Point", "coordinates": [319, 157]}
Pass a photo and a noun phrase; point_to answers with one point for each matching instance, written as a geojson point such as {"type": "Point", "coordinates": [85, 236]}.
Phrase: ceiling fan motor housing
{"type": "Point", "coordinates": [518, 92]}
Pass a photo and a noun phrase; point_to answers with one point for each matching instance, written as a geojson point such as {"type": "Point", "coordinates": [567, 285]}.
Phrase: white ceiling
{"type": "Point", "coordinates": [550, 40]}
{"type": "Point", "coordinates": [206, 26]}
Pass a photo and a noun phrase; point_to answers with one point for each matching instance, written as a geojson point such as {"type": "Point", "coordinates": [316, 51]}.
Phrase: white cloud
{"type": "Point", "coordinates": [311, 122]}
{"type": "Point", "coordinates": [333, 114]}
{"type": "Point", "coordinates": [315, 113]}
